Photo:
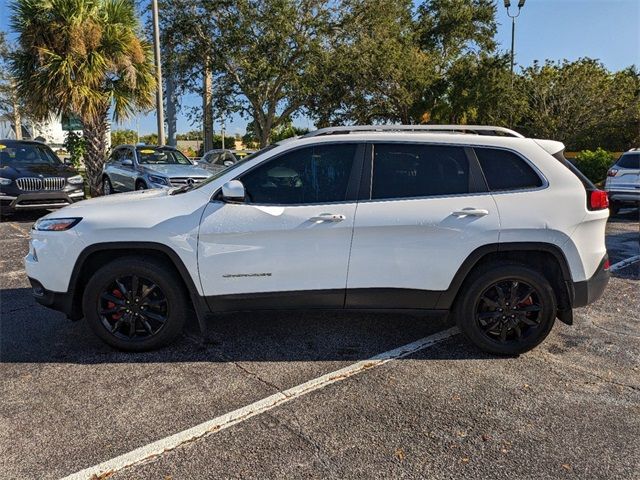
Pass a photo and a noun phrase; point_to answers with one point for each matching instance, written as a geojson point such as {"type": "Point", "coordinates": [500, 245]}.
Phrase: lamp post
{"type": "Point", "coordinates": [156, 52]}
{"type": "Point", "coordinates": [507, 4]}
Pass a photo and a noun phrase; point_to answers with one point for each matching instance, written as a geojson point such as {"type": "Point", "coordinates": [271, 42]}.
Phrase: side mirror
{"type": "Point", "coordinates": [227, 163]}
{"type": "Point", "coordinates": [127, 162]}
{"type": "Point", "coordinates": [233, 191]}
{"type": "Point", "coordinates": [67, 161]}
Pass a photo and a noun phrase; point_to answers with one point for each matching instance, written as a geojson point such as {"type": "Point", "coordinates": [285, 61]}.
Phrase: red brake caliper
{"type": "Point", "coordinates": [115, 316]}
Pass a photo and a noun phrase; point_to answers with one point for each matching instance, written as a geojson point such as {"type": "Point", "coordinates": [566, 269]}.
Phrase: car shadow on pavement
{"type": "Point", "coordinates": [30, 333]}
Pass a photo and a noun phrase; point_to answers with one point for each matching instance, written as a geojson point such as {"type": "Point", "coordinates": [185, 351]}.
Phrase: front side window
{"type": "Point", "coordinates": [504, 170]}
{"type": "Point", "coordinates": [318, 174]}
{"type": "Point", "coordinates": [414, 170]}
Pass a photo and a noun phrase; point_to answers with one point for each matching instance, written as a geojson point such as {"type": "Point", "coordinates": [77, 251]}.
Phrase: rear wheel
{"type": "Point", "coordinates": [135, 304]}
{"type": "Point", "coordinates": [507, 309]}
{"type": "Point", "coordinates": [140, 185]}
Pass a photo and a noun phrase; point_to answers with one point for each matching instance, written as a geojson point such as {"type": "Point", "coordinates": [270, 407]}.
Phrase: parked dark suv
{"type": "Point", "coordinates": [32, 177]}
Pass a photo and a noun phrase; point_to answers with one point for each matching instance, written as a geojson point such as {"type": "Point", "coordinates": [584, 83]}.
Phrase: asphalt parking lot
{"type": "Point", "coordinates": [569, 409]}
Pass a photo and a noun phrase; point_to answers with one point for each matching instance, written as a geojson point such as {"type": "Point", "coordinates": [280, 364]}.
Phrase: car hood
{"type": "Point", "coordinates": [177, 170]}
{"type": "Point", "coordinates": [17, 171]}
{"type": "Point", "coordinates": [129, 198]}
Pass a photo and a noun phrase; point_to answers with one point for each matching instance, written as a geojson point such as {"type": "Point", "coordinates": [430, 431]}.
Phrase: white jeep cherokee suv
{"type": "Point", "coordinates": [477, 221]}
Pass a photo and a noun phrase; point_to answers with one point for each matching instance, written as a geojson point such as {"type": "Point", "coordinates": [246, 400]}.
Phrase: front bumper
{"type": "Point", "coordinates": [588, 291]}
{"type": "Point", "coordinates": [61, 301]}
{"type": "Point", "coordinates": [40, 200]}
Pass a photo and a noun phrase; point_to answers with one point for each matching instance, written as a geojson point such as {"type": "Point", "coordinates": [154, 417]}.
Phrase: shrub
{"type": "Point", "coordinates": [594, 164]}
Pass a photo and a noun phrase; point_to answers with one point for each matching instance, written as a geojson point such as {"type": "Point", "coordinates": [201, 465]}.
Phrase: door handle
{"type": "Point", "coordinates": [471, 212]}
{"type": "Point", "coordinates": [328, 217]}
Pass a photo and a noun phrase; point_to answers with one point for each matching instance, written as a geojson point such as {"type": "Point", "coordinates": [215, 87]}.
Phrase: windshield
{"type": "Point", "coordinates": [629, 160]}
{"type": "Point", "coordinates": [14, 155]}
{"type": "Point", "coordinates": [236, 165]}
{"type": "Point", "coordinates": [161, 156]}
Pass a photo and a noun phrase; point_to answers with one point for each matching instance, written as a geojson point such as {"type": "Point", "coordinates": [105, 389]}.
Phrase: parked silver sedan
{"type": "Point", "coordinates": [140, 167]}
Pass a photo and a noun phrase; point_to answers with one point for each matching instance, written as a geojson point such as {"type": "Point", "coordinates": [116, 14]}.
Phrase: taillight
{"type": "Point", "coordinates": [598, 200]}
{"type": "Point", "coordinates": [612, 172]}
{"type": "Point", "coordinates": [607, 264]}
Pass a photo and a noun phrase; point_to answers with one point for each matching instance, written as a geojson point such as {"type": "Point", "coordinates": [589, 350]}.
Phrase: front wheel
{"type": "Point", "coordinates": [507, 309]}
{"type": "Point", "coordinates": [135, 304]}
{"type": "Point", "coordinates": [107, 188]}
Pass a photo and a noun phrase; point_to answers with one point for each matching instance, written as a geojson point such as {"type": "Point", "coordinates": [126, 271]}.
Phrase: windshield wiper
{"type": "Point", "coordinates": [182, 189]}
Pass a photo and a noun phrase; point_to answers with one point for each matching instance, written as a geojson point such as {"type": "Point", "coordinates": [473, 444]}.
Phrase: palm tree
{"type": "Point", "coordinates": [82, 57]}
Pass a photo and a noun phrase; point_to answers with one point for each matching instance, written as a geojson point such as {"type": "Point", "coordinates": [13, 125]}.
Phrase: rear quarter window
{"type": "Point", "coordinates": [504, 170]}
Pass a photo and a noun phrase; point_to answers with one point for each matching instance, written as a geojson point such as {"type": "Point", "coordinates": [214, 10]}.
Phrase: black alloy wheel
{"type": "Point", "coordinates": [133, 308]}
{"type": "Point", "coordinates": [136, 303]}
{"type": "Point", "coordinates": [506, 308]}
{"type": "Point", "coordinates": [509, 311]}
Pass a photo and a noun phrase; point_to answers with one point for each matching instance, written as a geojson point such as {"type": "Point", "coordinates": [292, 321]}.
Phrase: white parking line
{"type": "Point", "coordinates": [624, 263]}
{"type": "Point", "coordinates": [232, 418]}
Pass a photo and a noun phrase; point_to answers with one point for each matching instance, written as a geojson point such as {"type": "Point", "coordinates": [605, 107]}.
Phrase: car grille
{"type": "Point", "coordinates": [179, 181]}
{"type": "Point", "coordinates": [34, 184]}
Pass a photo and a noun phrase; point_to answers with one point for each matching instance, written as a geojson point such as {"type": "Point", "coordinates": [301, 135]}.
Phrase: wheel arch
{"type": "Point", "coordinates": [546, 258]}
{"type": "Point", "coordinates": [96, 255]}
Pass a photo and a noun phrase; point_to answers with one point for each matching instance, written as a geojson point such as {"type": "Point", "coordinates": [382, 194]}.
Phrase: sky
{"type": "Point", "coordinates": [546, 29]}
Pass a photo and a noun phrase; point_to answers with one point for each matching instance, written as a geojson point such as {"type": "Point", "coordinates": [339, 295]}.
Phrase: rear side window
{"type": "Point", "coordinates": [408, 170]}
{"type": "Point", "coordinates": [629, 160]}
{"type": "Point", "coordinates": [505, 170]}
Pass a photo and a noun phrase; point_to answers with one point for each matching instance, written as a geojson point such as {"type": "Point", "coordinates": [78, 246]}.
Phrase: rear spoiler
{"type": "Point", "coordinates": [550, 146]}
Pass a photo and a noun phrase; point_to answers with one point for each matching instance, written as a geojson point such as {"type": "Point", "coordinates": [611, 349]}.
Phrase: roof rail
{"type": "Point", "coordinates": [464, 129]}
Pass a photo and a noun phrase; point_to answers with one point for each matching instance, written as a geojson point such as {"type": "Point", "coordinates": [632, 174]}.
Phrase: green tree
{"type": "Point", "coordinates": [123, 137]}
{"type": "Point", "coordinates": [76, 146]}
{"type": "Point", "coordinates": [83, 57]}
{"type": "Point", "coordinates": [581, 104]}
{"type": "Point", "coordinates": [594, 164]}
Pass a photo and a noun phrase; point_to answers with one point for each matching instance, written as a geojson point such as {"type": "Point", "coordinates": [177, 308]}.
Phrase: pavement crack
{"type": "Point", "coordinates": [324, 460]}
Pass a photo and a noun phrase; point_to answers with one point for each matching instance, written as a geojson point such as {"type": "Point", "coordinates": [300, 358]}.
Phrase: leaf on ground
{"type": "Point", "coordinates": [399, 454]}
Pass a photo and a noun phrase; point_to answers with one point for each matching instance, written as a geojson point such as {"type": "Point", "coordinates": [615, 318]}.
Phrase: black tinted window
{"type": "Point", "coordinates": [505, 170]}
{"type": "Point", "coordinates": [318, 174]}
{"type": "Point", "coordinates": [629, 160]}
{"type": "Point", "coordinates": [405, 170]}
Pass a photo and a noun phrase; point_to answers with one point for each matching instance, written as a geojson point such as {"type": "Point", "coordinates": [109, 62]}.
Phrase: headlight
{"type": "Point", "coordinates": [75, 180]}
{"type": "Point", "coordinates": [56, 224]}
{"type": "Point", "coordinates": [5, 181]}
{"type": "Point", "coordinates": [158, 180]}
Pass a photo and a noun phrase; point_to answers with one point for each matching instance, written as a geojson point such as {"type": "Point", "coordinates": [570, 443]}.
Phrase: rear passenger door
{"type": "Point", "coordinates": [424, 210]}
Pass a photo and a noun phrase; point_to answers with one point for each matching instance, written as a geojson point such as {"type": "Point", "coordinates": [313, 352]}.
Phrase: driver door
{"type": "Point", "coordinates": [288, 244]}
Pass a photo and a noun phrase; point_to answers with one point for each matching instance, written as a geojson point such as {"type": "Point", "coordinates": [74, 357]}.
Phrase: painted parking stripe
{"type": "Point", "coordinates": [624, 263]}
{"type": "Point", "coordinates": [227, 420]}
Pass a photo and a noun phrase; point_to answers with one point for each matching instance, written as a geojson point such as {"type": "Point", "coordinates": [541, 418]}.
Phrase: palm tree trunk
{"type": "Point", "coordinates": [17, 119]}
{"type": "Point", "coordinates": [95, 133]}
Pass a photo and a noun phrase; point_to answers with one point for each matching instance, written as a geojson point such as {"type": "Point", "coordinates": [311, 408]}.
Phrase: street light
{"type": "Point", "coordinates": [507, 4]}
{"type": "Point", "coordinates": [156, 54]}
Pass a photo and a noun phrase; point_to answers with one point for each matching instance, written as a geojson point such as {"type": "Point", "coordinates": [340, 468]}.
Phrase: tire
{"type": "Point", "coordinates": [140, 185]}
{"type": "Point", "coordinates": [107, 188]}
{"type": "Point", "coordinates": [614, 208]}
{"type": "Point", "coordinates": [519, 327]}
{"type": "Point", "coordinates": [105, 304]}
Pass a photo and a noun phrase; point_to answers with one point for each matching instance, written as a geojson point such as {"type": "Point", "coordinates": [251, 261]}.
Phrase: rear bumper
{"type": "Point", "coordinates": [624, 196]}
{"type": "Point", "coordinates": [40, 200]}
{"type": "Point", "coordinates": [590, 290]}
{"type": "Point", "coordinates": [61, 301]}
